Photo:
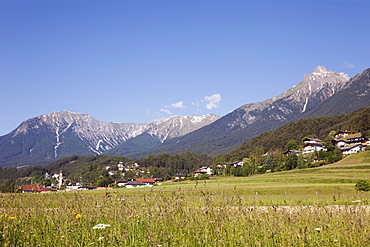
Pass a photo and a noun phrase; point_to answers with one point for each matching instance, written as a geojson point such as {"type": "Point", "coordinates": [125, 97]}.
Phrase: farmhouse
{"type": "Point", "coordinates": [343, 133]}
{"type": "Point", "coordinates": [180, 176]}
{"type": "Point", "coordinates": [350, 139]}
{"type": "Point", "coordinates": [312, 145]}
{"type": "Point", "coordinates": [206, 169]}
{"type": "Point", "coordinates": [135, 184]}
{"type": "Point", "coordinates": [147, 181]}
{"type": "Point", "coordinates": [236, 163]}
{"type": "Point", "coordinates": [87, 187]}
{"type": "Point", "coordinates": [34, 188]}
{"type": "Point", "coordinates": [352, 149]}
{"type": "Point", "coordinates": [121, 183]}
{"type": "Point", "coordinates": [197, 173]}
{"type": "Point", "coordinates": [112, 173]}
{"type": "Point", "coordinates": [120, 166]}
{"type": "Point", "coordinates": [290, 151]}
{"type": "Point", "coordinates": [202, 170]}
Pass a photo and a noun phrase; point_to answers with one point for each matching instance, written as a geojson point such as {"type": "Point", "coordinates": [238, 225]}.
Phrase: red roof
{"type": "Point", "coordinates": [34, 188]}
{"type": "Point", "coordinates": [145, 180]}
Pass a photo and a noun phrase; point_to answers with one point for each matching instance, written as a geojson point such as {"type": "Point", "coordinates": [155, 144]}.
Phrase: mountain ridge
{"type": "Point", "coordinates": [252, 119]}
{"type": "Point", "coordinates": [50, 133]}
{"type": "Point", "coordinates": [42, 139]}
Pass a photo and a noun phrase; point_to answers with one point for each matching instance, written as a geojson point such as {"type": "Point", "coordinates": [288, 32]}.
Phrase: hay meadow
{"type": "Point", "coordinates": [307, 207]}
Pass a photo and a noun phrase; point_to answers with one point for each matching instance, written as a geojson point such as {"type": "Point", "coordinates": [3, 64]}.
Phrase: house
{"type": "Point", "coordinates": [352, 149]}
{"type": "Point", "coordinates": [121, 183]}
{"type": "Point", "coordinates": [197, 173]}
{"type": "Point", "coordinates": [206, 169]}
{"type": "Point", "coordinates": [111, 173]}
{"type": "Point", "coordinates": [72, 187]}
{"type": "Point", "coordinates": [291, 151]}
{"type": "Point", "coordinates": [312, 140]}
{"type": "Point", "coordinates": [120, 166]}
{"type": "Point", "coordinates": [202, 170]}
{"type": "Point", "coordinates": [147, 181]}
{"type": "Point", "coordinates": [135, 184]}
{"type": "Point", "coordinates": [236, 163]}
{"type": "Point", "coordinates": [180, 176]}
{"type": "Point", "coordinates": [312, 145]}
{"type": "Point", "coordinates": [34, 188]}
{"type": "Point", "coordinates": [350, 139]}
{"type": "Point", "coordinates": [343, 133]}
{"type": "Point", "coordinates": [85, 187]}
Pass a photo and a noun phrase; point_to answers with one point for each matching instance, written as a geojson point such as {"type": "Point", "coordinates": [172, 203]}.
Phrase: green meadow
{"type": "Point", "coordinates": [307, 207]}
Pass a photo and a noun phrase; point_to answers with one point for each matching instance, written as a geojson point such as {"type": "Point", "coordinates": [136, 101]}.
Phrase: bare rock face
{"type": "Point", "coordinates": [313, 89]}
{"type": "Point", "coordinates": [176, 126]}
{"type": "Point", "coordinates": [102, 136]}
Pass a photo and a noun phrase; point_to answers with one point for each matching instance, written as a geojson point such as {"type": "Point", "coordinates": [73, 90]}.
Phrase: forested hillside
{"type": "Point", "coordinates": [318, 127]}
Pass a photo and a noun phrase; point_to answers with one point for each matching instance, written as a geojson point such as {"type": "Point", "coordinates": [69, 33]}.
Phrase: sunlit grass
{"type": "Point", "coordinates": [317, 207]}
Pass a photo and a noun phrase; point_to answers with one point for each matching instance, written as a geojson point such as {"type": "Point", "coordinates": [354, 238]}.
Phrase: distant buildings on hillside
{"type": "Point", "coordinates": [348, 142]}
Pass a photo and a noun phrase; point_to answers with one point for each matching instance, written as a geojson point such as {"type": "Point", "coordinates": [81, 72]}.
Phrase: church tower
{"type": "Point", "coordinates": [60, 178]}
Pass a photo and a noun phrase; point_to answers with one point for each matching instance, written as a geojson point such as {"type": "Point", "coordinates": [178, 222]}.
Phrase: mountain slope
{"type": "Point", "coordinates": [355, 95]}
{"type": "Point", "coordinates": [319, 127]}
{"type": "Point", "coordinates": [46, 138]}
{"type": "Point", "coordinates": [250, 120]}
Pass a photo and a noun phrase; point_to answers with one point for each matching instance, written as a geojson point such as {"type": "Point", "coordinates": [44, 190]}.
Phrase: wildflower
{"type": "Point", "coordinates": [100, 226]}
{"type": "Point", "coordinates": [78, 216]}
{"type": "Point", "coordinates": [12, 218]}
{"type": "Point", "coordinates": [75, 223]}
{"type": "Point", "coordinates": [100, 238]}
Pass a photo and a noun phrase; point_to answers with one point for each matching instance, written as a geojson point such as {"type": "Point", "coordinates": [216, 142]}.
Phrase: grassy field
{"type": "Point", "coordinates": [309, 207]}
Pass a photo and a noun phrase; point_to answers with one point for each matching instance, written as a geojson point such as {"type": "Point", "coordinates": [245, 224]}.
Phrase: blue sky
{"type": "Point", "coordinates": [136, 61]}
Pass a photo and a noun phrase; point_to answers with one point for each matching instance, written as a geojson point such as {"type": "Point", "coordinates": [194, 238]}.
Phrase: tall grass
{"type": "Point", "coordinates": [316, 207]}
{"type": "Point", "coordinates": [177, 217]}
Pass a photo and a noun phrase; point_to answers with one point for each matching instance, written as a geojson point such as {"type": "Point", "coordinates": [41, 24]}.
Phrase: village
{"type": "Point", "coordinates": [348, 142]}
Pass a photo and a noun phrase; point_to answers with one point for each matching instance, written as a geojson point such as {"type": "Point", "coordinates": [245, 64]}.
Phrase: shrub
{"type": "Point", "coordinates": [363, 185]}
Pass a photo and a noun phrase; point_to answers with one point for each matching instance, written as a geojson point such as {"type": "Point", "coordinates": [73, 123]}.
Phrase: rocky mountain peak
{"type": "Point", "coordinates": [321, 69]}
{"type": "Point", "coordinates": [314, 88]}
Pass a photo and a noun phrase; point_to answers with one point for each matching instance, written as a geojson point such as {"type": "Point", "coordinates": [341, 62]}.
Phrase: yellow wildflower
{"type": "Point", "coordinates": [12, 218]}
{"type": "Point", "coordinates": [78, 216]}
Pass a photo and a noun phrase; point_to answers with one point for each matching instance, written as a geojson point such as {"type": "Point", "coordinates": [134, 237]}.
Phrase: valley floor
{"type": "Point", "coordinates": [311, 207]}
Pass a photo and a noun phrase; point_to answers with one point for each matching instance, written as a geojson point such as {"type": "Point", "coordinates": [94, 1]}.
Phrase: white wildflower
{"type": "Point", "coordinates": [100, 226]}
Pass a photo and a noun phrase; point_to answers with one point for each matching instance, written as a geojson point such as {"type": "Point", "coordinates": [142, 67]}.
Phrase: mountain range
{"type": "Point", "coordinates": [322, 89]}
{"type": "Point", "coordinates": [46, 138]}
